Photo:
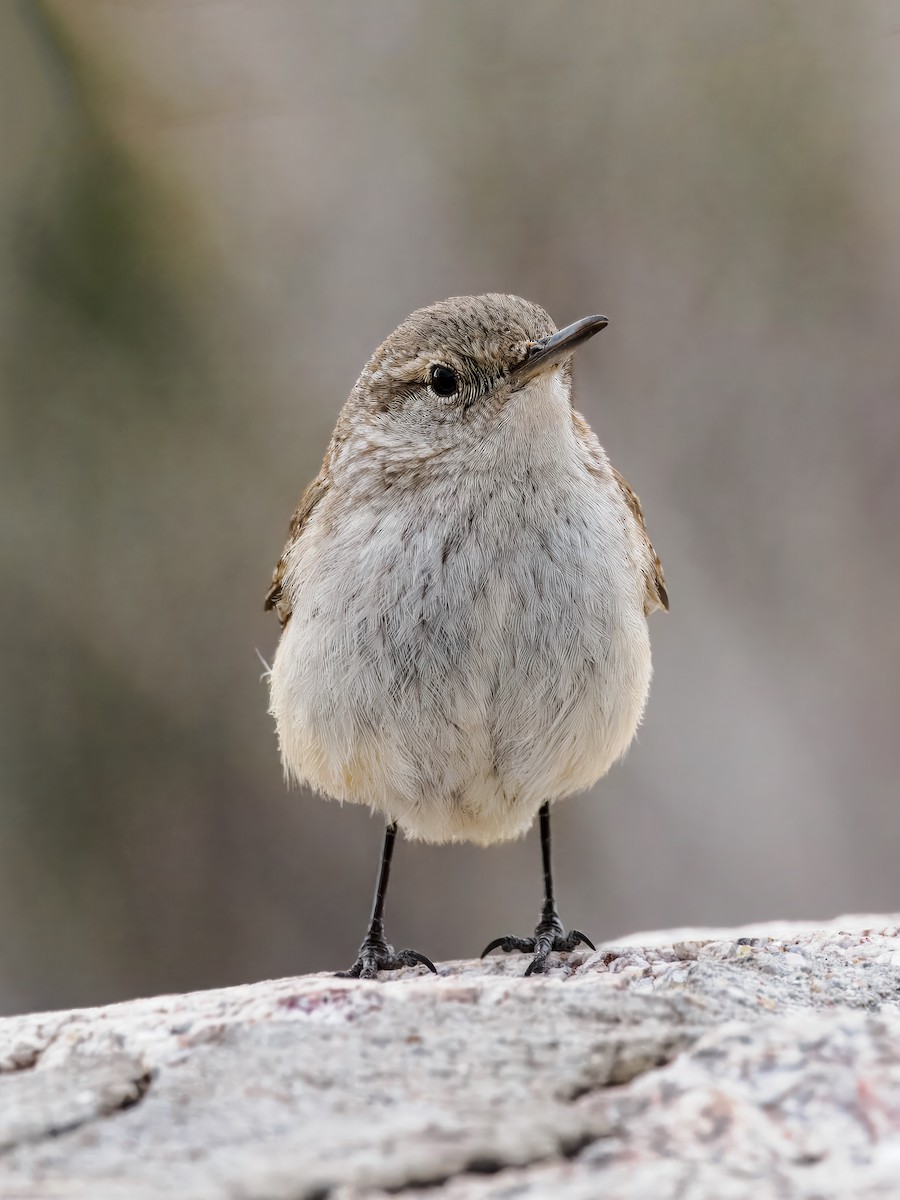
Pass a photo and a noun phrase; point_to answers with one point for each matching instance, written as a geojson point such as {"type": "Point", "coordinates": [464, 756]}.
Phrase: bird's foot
{"type": "Point", "coordinates": [376, 955]}
{"type": "Point", "coordinates": [549, 936]}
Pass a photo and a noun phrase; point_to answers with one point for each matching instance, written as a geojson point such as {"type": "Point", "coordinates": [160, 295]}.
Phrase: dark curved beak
{"type": "Point", "coordinates": [550, 351]}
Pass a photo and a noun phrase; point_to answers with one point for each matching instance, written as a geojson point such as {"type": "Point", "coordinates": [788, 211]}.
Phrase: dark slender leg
{"type": "Point", "coordinates": [376, 924]}
{"type": "Point", "coordinates": [549, 934]}
{"type": "Point", "coordinates": [549, 898]}
{"type": "Point", "coordinates": [375, 954]}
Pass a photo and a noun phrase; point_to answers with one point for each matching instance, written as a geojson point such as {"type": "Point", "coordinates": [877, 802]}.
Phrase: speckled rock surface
{"type": "Point", "coordinates": [752, 1063]}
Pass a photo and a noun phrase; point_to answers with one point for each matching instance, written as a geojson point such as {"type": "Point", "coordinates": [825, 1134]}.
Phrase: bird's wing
{"type": "Point", "coordinates": [656, 596]}
{"type": "Point", "coordinates": [275, 596]}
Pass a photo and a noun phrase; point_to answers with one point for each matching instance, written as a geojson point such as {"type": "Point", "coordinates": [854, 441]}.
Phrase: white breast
{"type": "Point", "coordinates": [459, 655]}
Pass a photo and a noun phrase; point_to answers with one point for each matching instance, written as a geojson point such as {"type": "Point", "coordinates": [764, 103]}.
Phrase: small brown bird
{"type": "Point", "coordinates": [464, 597]}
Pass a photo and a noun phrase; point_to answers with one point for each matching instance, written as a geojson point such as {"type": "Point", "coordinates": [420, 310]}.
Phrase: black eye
{"type": "Point", "coordinates": [443, 381]}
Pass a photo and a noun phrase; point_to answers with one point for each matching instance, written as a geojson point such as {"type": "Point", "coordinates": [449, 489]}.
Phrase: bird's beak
{"type": "Point", "coordinates": [551, 351]}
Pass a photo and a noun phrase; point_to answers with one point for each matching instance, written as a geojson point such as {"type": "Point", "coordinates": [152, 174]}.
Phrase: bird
{"type": "Point", "coordinates": [463, 598]}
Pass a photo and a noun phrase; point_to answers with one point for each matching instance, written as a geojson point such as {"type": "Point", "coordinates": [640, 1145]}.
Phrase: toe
{"type": "Point", "coordinates": [369, 964]}
{"type": "Point", "coordinates": [509, 944]}
{"type": "Point", "coordinates": [412, 958]}
{"type": "Point", "coordinates": [577, 938]}
{"type": "Point", "coordinates": [494, 945]}
{"type": "Point", "coordinates": [537, 966]}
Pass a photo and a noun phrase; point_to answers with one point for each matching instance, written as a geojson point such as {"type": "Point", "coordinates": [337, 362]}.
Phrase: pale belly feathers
{"type": "Point", "coordinates": [454, 664]}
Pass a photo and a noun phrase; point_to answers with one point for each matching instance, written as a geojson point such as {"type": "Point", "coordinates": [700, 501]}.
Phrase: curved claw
{"type": "Point", "coordinates": [412, 958]}
{"type": "Point", "coordinates": [508, 945]}
{"type": "Point", "coordinates": [537, 966]}
{"type": "Point", "coordinates": [577, 938]}
{"type": "Point", "coordinates": [549, 937]}
{"type": "Point", "coordinates": [375, 956]}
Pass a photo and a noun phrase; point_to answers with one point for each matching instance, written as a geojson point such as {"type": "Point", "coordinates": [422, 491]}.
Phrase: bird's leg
{"type": "Point", "coordinates": [549, 934]}
{"type": "Point", "coordinates": [375, 954]}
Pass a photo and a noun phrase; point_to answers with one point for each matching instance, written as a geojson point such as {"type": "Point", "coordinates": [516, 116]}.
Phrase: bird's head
{"type": "Point", "coordinates": [453, 372]}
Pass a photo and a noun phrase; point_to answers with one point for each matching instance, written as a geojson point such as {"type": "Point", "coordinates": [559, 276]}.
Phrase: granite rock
{"type": "Point", "coordinates": [699, 1064]}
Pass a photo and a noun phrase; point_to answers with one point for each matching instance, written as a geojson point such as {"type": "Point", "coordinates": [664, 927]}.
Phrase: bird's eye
{"type": "Point", "coordinates": [443, 381]}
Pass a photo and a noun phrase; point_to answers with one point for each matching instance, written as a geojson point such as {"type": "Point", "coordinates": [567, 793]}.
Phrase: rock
{"type": "Point", "coordinates": [699, 1064]}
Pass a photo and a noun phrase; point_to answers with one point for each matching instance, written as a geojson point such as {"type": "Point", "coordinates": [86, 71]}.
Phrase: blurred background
{"type": "Point", "coordinates": [211, 211]}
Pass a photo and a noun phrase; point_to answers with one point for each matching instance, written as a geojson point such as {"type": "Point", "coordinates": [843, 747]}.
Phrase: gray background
{"type": "Point", "coordinates": [210, 214]}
